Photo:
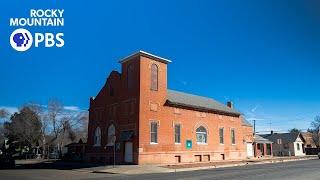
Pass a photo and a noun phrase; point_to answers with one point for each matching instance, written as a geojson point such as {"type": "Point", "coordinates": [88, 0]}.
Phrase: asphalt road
{"type": "Point", "coordinates": [308, 169]}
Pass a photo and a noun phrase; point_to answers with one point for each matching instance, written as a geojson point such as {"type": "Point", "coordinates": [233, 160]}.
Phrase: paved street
{"type": "Point", "coordinates": [308, 169]}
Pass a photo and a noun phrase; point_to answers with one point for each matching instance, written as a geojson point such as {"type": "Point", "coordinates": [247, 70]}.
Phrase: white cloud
{"type": "Point", "coordinates": [10, 109]}
{"type": "Point", "coordinates": [254, 109]}
{"type": "Point", "coordinates": [71, 108]}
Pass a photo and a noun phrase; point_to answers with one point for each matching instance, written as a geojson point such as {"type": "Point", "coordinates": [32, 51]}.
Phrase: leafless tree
{"type": "Point", "coordinates": [4, 114]}
{"type": "Point", "coordinates": [315, 124]}
{"type": "Point", "coordinates": [55, 109]}
{"type": "Point", "coordinates": [65, 125]}
{"type": "Point", "coordinates": [40, 111]}
{"type": "Point", "coordinates": [74, 126]}
{"type": "Point", "coordinates": [82, 130]}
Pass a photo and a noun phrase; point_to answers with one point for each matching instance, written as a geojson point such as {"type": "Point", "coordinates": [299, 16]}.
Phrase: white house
{"type": "Point", "coordinates": [287, 144]}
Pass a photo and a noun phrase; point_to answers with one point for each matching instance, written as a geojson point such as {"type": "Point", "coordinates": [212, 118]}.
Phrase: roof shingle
{"type": "Point", "coordinates": [285, 137]}
{"type": "Point", "coordinates": [197, 102]}
{"type": "Point", "coordinates": [259, 139]}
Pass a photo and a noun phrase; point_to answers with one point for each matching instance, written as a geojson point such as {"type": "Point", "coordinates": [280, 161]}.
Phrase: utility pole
{"type": "Point", "coordinates": [270, 124]}
{"type": "Point", "coordinates": [114, 151]}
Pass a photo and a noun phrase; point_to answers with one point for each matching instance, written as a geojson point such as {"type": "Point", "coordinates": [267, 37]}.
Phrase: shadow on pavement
{"type": "Point", "coordinates": [54, 164]}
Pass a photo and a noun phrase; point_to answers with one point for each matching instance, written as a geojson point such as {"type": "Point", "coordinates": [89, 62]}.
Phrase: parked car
{"type": "Point", "coordinates": [54, 155]}
{"type": "Point", "coordinates": [319, 155]}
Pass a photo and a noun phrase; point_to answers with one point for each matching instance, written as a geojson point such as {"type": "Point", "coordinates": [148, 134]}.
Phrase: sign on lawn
{"type": "Point", "coordinates": [188, 144]}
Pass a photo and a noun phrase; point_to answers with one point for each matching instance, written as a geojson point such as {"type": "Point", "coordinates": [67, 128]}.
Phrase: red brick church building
{"type": "Point", "coordinates": [144, 122]}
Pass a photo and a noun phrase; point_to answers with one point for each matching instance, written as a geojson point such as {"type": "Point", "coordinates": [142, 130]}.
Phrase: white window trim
{"type": "Point", "coordinates": [234, 136]}
{"type": "Point", "coordinates": [96, 144]}
{"type": "Point", "coordinates": [202, 143]}
{"type": "Point", "coordinates": [109, 136]}
{"type": "Point", "coordinates": [222, 135]}
{"type": "Point", "coordinates": [174, 134]}
{"type": "Point", "coordinates": [206, 133]}
{"type": "Point", "coordinates": [157, 89]}
{"type": "Point", "coordinates": [150, 124]}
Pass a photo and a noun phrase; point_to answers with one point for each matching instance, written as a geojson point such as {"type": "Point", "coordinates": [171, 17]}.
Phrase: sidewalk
{"type": "Point", "coordinates": [133, 169]}
{"type": "Point", "coordinates": [146, 169]}
{"type": "Point", "coordinates": [31, 161]}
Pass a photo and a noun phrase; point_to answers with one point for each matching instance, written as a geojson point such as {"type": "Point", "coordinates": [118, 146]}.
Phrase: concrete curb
{"type": "Point", "coordinates": [271, 161]}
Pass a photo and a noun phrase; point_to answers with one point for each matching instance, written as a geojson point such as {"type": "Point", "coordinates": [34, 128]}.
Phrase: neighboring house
{"type": "Point", "coordinates": [287, 144]}
{"type": "Point", "coordinates": [76, 151]}
{"type": "Point", "coordinates": [144, 122]}
{"type": "Point", "coordinates": [262, 146]}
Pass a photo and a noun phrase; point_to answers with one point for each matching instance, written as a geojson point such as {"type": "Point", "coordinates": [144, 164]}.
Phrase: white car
{"type": "Point", "coordinates": [54, 155]}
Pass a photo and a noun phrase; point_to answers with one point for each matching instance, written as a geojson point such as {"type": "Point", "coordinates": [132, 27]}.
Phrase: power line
{"type": "Point", "coordinates": [280, 130]}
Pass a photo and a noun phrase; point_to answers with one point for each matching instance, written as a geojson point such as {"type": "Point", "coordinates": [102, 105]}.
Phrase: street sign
{"type": "Point", "coordinates": [188, 144]}
{"type": "Point", "coordinates": [117, 146]}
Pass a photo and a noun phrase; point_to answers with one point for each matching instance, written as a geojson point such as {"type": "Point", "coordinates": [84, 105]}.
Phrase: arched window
{"type": "Point", "coordinates": [97, 137]}
{"type": "Point", "coordinates": [111, 134]}
{"type": "Point", "coordinates": [154, 77]}
{"type": "Point", "coordinates": [130, 76]}
{"type": "Point", "coordinates": [201, 133]}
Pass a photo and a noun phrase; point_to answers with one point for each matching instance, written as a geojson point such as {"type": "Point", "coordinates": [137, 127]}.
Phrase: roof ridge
{"type": "Point", "coordinates": [201, 97]}
{"type": "Point", "coordinates": [194, 100]}
{"type": "Point", "coordinates": [141, 52]}
{"type": "Point", "coordinates": [194, 95]}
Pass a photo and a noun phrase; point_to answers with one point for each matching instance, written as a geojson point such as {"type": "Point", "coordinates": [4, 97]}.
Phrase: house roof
{"type": "Point", "coordinates": [259, 139]}
{"type": "Point", "coordinates": [79, 143]}
{"type": "Point", "coordinates": [285, 137]}
{"type": "Point", "coordinates": [176, 98]}
{"type": "Point", "coordinates": [245, 122]}
{"type": "Point", "coordinates": [146, 54]}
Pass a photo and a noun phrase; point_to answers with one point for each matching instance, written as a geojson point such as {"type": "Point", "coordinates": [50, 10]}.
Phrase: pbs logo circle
{"type": "Point", "coordinates": [21, 39]}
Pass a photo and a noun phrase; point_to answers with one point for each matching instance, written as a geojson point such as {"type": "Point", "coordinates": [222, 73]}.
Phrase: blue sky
{"type": "Point", "coordinates": [262, 55]}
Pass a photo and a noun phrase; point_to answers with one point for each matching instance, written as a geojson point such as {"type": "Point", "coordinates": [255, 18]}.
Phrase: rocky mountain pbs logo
{"type": "Point", "coordinates": [21, 39]}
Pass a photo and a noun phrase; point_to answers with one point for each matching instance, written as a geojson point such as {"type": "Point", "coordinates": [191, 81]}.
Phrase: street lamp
{"type": "Point", "coordinates": [114, 151]}
{"type": "Point", "coordinates": [113, 143]}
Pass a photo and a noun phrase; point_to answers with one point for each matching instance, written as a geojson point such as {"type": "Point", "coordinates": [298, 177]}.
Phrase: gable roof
{"type": "Point", "coordinates": [145, 54]}
{"type": "Point", "coordinates": [176, 98]}
{"type": "Point", "coordinates": [259, 139]}
{"type": "Point", "coordinates": [285, 137]}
